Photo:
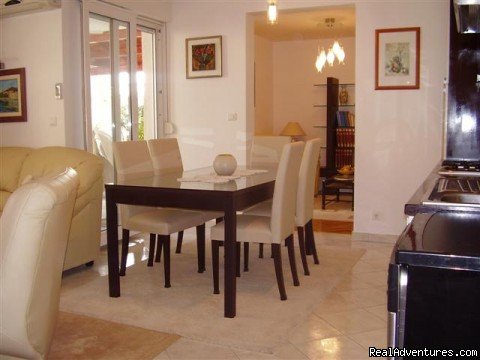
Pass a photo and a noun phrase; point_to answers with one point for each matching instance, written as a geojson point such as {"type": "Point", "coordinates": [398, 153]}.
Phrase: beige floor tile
{"type": "Point", "coordinates": [365, 297]}
{"type": "Point", "coordinates": [338, 348]}
{"type": "Point", "coordinates": [249, 355]}
{"type": "Point", "coordinates": [162, 356]}
{"type": "Point", "coordinates": [312, 329]}
{"type": "Point", "coordinates": [334, 303]}
{"type": "Point", "coordinates": [375, 338]}
{"type": "Point", "coordinates": [351, 282]}
{"type": "Point", "coordinates": [191, 349]}
{"type": "Point", "coordinates": [375, 278]}
{"type": "Point", "coordinates": [354, 321]}
{"type": "Point", "coordinates": [362, 267]}
{"type": "Point", "coordinates": [289, 352]}
{"type": "Point", "coordinates": [379, 310]}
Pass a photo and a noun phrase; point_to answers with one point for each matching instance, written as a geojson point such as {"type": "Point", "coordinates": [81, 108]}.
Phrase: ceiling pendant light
{"type": "Point", "coordinates": [321, 60]}
{"type": "Point", "coordinates": [272, 12]}
{"type": "Point", "coordinates": [336, 51]}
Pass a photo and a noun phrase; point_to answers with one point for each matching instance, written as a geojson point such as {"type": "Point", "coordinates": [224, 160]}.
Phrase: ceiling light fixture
{"type": "Point", "coordinates": [335, 51]}
{"type": "Point", "coordinates": [272, 11]}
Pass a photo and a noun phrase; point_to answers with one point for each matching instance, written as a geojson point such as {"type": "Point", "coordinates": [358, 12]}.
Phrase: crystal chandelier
{"type": "Point", "coordinates": [335, 51]}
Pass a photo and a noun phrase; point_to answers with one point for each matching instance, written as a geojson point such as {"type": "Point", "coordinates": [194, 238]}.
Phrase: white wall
{"type": "Point", "coordinates": [293, 80]}
{"type": "Point", "coordinates": [398, 132]}
{"type": "Point", "coordinates": [34, 41]}
{"type": "Point", "coordinates": [263, 86]}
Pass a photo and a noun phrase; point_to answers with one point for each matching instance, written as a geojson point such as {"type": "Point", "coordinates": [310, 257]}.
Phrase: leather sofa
{"type": "Point", "coordinates": [19, 165]}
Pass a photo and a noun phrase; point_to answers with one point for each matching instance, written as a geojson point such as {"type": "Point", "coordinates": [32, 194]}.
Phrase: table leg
{"type": "Point", "coordinates": [230, 245]}
{"type": "Point", "coordinates": [324, 189]}
{"type": "Point", "coordinates": [112, 247]}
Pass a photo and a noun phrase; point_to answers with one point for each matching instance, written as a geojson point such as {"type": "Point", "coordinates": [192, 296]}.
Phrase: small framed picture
{"type": "Point", "coordinates": [397, 59]}
{"type": "Point", "coordinates": [13, 95]}
{"type": "Point", "coordinates": [204, 57]}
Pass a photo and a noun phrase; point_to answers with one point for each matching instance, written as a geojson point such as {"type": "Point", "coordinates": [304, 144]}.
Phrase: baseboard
{"type": "Point", "coordinates": [377, 238]}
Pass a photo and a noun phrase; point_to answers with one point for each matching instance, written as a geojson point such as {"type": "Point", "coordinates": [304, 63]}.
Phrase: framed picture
{"type": "Point", "coordinates": [13, 96]}
{"type": "Point", "coordinates": [204, 57]}
{"type": "Point", "coordinates": [397, 59]}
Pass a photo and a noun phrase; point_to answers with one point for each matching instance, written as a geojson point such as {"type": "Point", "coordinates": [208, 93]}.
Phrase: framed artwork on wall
{"type": "Point", "coordinates": [397, 59]}
{"type": "Point", "coordinates": [204, 57]}
{"type": "Point", "coordinates": [13, 95]}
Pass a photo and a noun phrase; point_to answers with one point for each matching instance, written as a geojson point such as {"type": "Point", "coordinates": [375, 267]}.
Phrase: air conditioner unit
{"type": "Point", "coordinates": [27, 6]}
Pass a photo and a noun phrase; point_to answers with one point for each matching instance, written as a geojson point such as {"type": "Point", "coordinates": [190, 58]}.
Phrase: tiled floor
{"type": "Point", "coordinates": [342, 326]}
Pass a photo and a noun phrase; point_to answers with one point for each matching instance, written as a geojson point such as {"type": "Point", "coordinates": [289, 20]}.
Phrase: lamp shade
{"type": "Point", "coordinates": [293, 128]}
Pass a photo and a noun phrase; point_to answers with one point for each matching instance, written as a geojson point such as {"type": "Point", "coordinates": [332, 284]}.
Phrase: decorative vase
{"type": "Point", "coordinates": [225, 164]}
{"type": "Point", "coordinates": [343, 96]}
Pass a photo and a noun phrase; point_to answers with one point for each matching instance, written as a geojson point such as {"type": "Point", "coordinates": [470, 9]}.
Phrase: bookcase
{"type": "Point", "coordinates": [340, 127]}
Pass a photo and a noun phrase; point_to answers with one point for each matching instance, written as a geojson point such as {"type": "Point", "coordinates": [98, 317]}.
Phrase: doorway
{"type": "Point", "coordinates": [288, 88]}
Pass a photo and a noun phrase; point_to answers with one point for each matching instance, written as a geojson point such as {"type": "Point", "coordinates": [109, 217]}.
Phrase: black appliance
{"type": "Point", "coordinates": [434, 283]}
{"type": "Point", "coordinates": [463, 115]}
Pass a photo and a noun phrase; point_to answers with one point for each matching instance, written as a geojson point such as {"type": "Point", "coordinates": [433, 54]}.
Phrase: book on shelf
{"type": "Point", "coordinates": [345, 136]}
{"type": "Point", "coordinates": [344, 156]}
{"type": "Point", "coordinates": [345, 119]}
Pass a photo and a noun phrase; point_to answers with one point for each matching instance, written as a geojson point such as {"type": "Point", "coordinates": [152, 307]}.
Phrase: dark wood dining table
{"type": "Point", "coordinates": [168, 191]}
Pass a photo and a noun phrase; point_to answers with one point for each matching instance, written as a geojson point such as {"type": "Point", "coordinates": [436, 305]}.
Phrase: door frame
{"type": "Point", "coordinates": [121, 14]}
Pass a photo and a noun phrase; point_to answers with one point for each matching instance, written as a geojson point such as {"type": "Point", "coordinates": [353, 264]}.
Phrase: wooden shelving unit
{"type": "Point", "coordinates": [340, 141]}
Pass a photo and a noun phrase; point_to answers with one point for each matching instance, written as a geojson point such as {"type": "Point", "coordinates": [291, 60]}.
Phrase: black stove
{"type": "Point", "coordinates": [460, 168]}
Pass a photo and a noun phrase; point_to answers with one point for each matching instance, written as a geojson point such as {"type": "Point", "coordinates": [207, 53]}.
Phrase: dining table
{"type": "Point", "coordinates": [169, 191]}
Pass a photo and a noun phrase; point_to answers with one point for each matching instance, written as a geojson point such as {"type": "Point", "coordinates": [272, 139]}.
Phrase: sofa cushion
{"type": "Point", "coordinates": [11, 161]}
{"type": "Point", "coordinates": [52, 159]}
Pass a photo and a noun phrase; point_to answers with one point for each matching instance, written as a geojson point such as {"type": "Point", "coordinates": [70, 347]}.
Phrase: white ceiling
{"type": "Point", "coordinates": [307, 24]}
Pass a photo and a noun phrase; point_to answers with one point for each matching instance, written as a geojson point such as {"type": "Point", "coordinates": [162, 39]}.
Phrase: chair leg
{"type": "Point", "coordinates": [239, 251]}
{"type": "Point", "coordinates": [246, 250]}
{"type": "Point", "coordinates": [260, 251]}
{"type": "Point", "coordinates": [158, 252]}
{"type": "Point", "coordinates": [277, 259]}
{"type": "Point", "coordinates": [291, 259]}
{"type": "Point", "coordinates": [201, 248]}
{"type": "Point", "coordinates": [125, 241]}
{"type": "Point", "coordinates": [151, 250]}
{"type": "Point", "coordinates": [303, 255]}
{"type": "Point", "coordinates": [215, 260]}
{"type": "Point", "coordinates": [311, 240]}
{"type": "Point", "coordinates": [166, 258]}
{"type": "Point", "coordinates": [178, 250]}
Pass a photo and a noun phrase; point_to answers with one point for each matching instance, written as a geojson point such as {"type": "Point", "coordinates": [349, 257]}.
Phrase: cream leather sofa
{"type": "Point", "coordinates": [20, 164]}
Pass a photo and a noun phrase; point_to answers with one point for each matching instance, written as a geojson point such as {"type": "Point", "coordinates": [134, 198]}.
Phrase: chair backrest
{"type": "Point", "coordinates": [132, 161]}
{"type": "Point", "coordinates": [306, 182]}
{"type": "Point", "coordinates": [267, 149]}
{"type": "Point", "coordinates": [165, 155]}
{"type": "Point", "coordinates": [34, 233]}
{"type": "Point", "coordinates": [285, 192]}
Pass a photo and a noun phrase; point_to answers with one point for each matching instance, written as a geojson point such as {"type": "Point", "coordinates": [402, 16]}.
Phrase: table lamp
{"type": "Point", "coordinates": [294, 130]}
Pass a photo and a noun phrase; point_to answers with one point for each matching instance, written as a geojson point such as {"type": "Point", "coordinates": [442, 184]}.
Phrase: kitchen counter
{"type": "Point", "coordinates": [420, 202]}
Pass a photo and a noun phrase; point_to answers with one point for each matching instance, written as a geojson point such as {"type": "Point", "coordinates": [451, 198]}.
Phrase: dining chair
{"type": "Point", "coordinates": [267, 149]}
{"type": "Point", "coordinates": [304, 206]}
{"type": "Point", "coordinates": [132, 161]}
{"type": "Point", "coordinates": [34, 232]}
{"type": "Point", "coordinates": [166, 158]}
{"type": "Point", "coordinates": [275, 229]}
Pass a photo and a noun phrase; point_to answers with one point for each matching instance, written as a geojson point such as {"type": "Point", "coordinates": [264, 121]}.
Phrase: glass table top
{"type": "Point", "coordinates": [170, 180]}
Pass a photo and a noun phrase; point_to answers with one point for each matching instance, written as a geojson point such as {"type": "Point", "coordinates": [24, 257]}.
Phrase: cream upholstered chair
{"type": "Point", "coordinates": [267, 149]}
{"type": "Point", "coordinates": [166, 158]}
{"type": "Point", "coordinates": [132, 161]}
{"type": "Point", "coordinates": [274, 229]}
{"type": "Point", "coordinates": [305, 200]}
{"type": "Point", "coordinates": [34, 233]}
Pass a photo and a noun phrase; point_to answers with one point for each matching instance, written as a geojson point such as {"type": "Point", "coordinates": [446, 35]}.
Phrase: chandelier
{"type": "Point", "coordinates": [335, 51]}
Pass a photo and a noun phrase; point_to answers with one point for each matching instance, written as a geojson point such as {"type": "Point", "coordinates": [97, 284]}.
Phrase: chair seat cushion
{"type": "Point", "coordinates": [210, 215]}
{"type": "Point", "coordinates": [163, 221]}
{"type": "Point", "coordinates": [250, 228]}
{"type": "Point", "coordinates": [265, 209]}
